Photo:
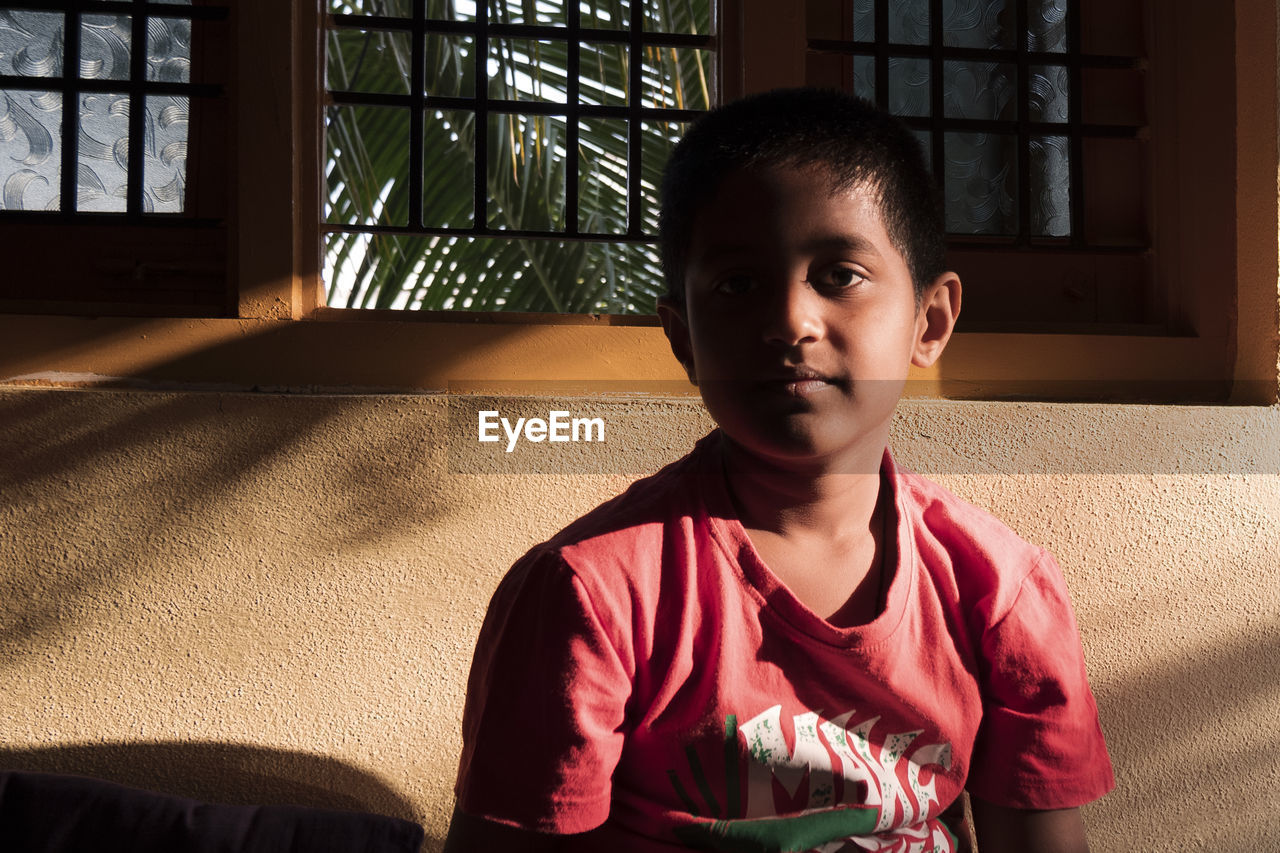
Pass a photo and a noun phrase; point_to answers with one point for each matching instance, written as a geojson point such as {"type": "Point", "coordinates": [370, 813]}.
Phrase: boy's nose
{"type": "Point", "coordinates": [793, 316]}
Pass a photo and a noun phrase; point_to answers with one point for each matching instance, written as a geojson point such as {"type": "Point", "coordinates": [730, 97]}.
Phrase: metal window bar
{"type": "Point", "coordinates": [417, 112]}
{"type": "Point", "coordinates": [1022, 111]}
{"type": "Point", "coordinates": [480, 219]}
{"type": "Point", "coordinates": [572, 129]}
{"type": "Point", "coordinates": [483, 31]}
{"type": "Point", "coordinates": [1022, 57]}
{"type": "Point", "coordinates": [1076, 127]}
{"type": "Point", "coordinates": [71, 86]}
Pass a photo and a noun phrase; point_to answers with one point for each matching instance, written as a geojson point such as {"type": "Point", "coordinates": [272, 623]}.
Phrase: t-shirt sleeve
{"type": "Point", "coordinates": [1039, 745]}
{"type": "Point", "coordinates": [542, 727]}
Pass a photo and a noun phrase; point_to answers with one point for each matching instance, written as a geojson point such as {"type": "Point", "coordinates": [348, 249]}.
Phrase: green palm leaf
{"type": "Point", "coordinates": [367, 168]}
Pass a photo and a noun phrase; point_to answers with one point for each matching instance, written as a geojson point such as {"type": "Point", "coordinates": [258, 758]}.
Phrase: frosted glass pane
{"type": "Point", "coordinates": [1049, 87]}
{"type": "Point", "coordinates": [31, 43]}
{"type": "Point", "coordinates": [169, 50]}
{"type": "Point", "coordinates": [924, 139]}
{"type": "Point", "coordinates": [30, 150]}
{"type": "Point", "coordinates": [1047, 25]}
{"type": "Point", "coordinates": [31, 130]}
{"type": "Point", "coordinates": [105, 43]}
{"type": "Point", "coordinates": [165, 164]}
{"type": "Point", "coordinates": [909, 22]}
{"type": "Point", "coordinates": [864, 77]}
{"type": "Point", "coordinates": [908, 86]}
{"type": "Point", "coordinates": [102, 167]}
{"type": "Point", "coordinates": [980, 183]}
{"type": "Point", "coordinates": [1051, 186]}
{"type": "Point", "coordinates": [979, 90]}
{"type": "Point", "coordinates": [984, 24]}
{"type": "Point", "coordinates": [864, 20]}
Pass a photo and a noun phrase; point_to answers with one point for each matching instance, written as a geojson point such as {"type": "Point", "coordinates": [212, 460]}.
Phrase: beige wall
{"type": "Point", "coordinates": [254, 597]}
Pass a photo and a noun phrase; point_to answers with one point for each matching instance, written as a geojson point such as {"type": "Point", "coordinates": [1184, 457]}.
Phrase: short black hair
{"type": "Point", "coordinates": [845, 136]}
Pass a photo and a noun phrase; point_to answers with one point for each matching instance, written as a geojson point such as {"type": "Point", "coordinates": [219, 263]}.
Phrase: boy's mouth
{"type": "Point", "coordinates": [799, 381]}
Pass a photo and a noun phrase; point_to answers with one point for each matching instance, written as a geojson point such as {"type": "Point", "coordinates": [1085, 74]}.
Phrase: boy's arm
{"type": "Point", "coordinates": [1001, 829]}
{"type": "Point", "coordinates": [1040, 747]}
{"type": "Point", "coordinates": [468, 834]}
{"type": "Point", "coordinates": [545, 717]}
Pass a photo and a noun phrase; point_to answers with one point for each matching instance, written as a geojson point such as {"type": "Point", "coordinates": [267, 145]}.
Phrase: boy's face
{"type": "Point", "coordinates": [800, 319]}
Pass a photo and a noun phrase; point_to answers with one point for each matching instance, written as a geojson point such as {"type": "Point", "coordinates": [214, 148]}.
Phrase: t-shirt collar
{"type": "Point", "coordinates": [775, 600]}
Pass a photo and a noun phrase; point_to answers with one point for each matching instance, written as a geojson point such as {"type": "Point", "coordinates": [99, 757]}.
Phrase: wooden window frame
{"type": "Point", "coordinates": [279, 334]}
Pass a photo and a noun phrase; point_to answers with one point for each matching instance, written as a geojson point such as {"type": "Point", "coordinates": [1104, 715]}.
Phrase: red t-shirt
{"type": "Point", "coordinates": [645, 672]}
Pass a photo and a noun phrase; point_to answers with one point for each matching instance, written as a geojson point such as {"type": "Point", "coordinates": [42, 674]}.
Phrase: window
{"type": "Point", "coordinates": [97, 104]}
{"type": "Point", "coordinates": [505, 156]}
{"type": "Point", "coordinates": [123, 149]}
{"type": "Point", "coordinates": [1033, 113]}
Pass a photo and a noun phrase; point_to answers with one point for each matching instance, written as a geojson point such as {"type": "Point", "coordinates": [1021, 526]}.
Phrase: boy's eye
{"type": "Point", "coordinates": [735, 285]}
{"type": "Point", "coordinates": [838, 278]}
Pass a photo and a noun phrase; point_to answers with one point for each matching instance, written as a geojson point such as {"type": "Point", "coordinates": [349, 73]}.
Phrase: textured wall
{"type": "Point", "coordinates": [256, 597]}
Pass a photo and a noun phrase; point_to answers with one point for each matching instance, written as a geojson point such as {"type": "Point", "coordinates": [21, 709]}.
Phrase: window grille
{"type": "Point", "coordinates": [95, 99]}
{"type": "Point", "coordinates": [504, 156]}
{"type": "Point", "coordinates": [1034, 115]}
{"type": "Point", "coordinates": [1005, 100]}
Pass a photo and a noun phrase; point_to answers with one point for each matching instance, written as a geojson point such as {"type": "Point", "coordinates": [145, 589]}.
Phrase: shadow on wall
{"type": "Point", "coordinates": [231, 569]}
{"type": "Point", "coordinates": [174, 474]}
{"type": "Point", "coordinates": [1174, 725]}
{"type": "Point", "coordinates": [223, 773]}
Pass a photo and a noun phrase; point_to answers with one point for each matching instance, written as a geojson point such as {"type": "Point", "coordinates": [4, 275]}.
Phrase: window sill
{"type": "Point", "coordinates": [342, 351]}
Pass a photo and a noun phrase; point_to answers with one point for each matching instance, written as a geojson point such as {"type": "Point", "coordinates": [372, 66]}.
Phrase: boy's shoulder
{"type": "Point", "coordinates": [639, 516]}
{"type": "Point", "coordinates": [930, 497]}
{"type": "Point", "coordinates": [943, 521]}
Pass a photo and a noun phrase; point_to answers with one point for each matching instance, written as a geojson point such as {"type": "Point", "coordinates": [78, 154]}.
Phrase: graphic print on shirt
{"type": "Point", "coordinates": [838, 789]}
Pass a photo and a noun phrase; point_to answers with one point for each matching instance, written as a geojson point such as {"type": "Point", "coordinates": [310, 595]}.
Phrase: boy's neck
{"type": "Point", "coordinates": [833, 499]}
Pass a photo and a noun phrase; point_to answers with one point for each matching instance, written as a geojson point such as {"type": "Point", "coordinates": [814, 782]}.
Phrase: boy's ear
{"type": "Point", "coordinates": [936, 318]}
{"type": "Point", "coordinates": [675, 323]}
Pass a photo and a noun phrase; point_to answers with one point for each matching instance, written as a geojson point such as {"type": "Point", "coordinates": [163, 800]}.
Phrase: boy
{"type": "Point", "coordinates": [783, 641]}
